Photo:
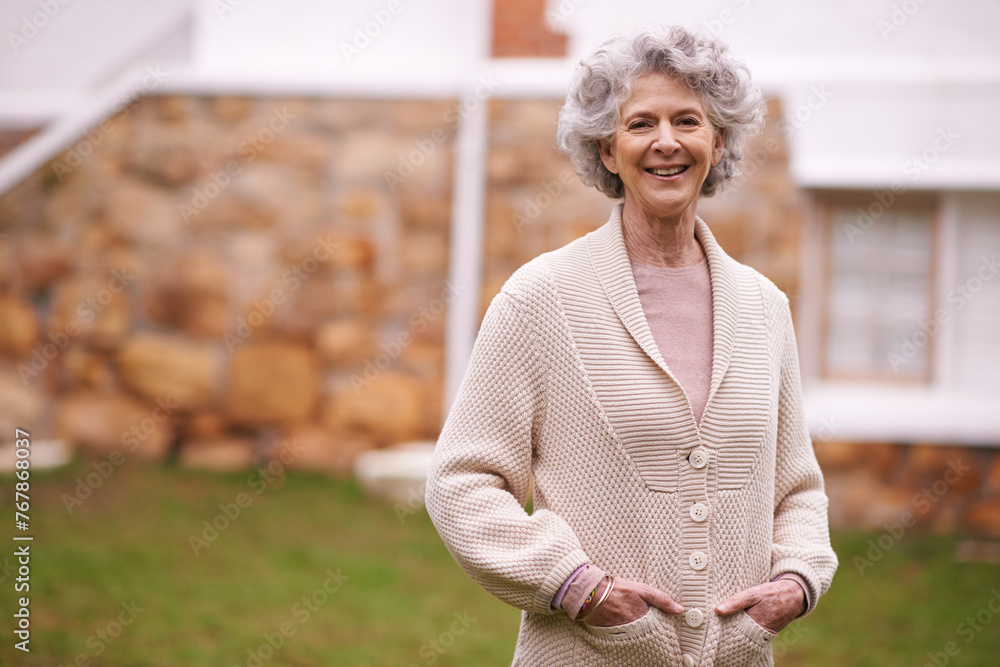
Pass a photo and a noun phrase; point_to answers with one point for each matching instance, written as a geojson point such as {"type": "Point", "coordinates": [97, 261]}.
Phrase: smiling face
{"type": "Point", "coordinates": [663, 147]}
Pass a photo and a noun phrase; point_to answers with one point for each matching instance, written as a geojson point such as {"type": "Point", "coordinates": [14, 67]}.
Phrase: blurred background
{"type": "Point", "coordinates": [244, 242]}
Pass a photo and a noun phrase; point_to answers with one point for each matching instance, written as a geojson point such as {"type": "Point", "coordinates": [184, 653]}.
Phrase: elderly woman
{"type": "Point", "coordinates": [647, 385]}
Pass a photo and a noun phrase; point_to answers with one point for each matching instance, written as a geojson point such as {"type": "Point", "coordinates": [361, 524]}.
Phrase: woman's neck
{"type": "Point", "coordinates": [665, 242]}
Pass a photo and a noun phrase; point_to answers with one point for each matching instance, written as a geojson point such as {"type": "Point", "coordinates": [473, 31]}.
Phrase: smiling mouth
{"type": "Point", "coordinates": [672, 171]}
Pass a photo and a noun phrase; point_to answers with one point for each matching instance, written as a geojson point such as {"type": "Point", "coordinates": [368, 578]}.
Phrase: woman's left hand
{"type": "Point", "coordinates": [772, 605]}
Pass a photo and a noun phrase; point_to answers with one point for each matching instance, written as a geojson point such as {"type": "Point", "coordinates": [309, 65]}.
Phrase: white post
{"type": "Point", "coordinates": [468, 201]}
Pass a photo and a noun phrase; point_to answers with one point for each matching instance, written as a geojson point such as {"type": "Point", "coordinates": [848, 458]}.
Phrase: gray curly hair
{"type": "Point", "coordinates": [604, 80]}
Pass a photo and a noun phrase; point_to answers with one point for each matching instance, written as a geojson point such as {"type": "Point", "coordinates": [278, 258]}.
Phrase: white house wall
{"type": "Point", "coordinates": [58, 46]}
{"type": "Point", "coordinates": [910, 136]}
{"type": "Point", "coordinates": [762, 29]}
{"type": "Point", "coordinates": [406, 45]}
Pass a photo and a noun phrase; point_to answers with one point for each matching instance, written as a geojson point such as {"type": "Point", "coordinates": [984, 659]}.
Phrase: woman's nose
{"type": "Point", "coordinates": [665, 141]}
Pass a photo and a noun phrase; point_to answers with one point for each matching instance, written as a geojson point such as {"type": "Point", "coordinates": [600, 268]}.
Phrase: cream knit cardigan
{"type": "Point", "coordinates": [567, 390]}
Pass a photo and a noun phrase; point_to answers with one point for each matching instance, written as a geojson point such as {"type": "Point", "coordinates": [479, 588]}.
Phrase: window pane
{"type": "Point", "coordinates": [879, 294]}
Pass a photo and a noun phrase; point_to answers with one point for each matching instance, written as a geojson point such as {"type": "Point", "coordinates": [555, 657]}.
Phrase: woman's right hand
{"type": "Point", "coordinates": [630, 601]}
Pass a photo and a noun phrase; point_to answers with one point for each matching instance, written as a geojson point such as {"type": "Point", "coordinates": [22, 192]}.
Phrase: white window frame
{"type": "Point", "coordinates": [882, 410]}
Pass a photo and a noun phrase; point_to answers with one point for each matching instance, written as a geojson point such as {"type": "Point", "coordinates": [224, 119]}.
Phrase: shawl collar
{"type": "Point", "coordinates": [606, 246]}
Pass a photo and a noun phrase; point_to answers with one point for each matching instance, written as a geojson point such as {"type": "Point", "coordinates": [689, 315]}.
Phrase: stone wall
{"type": "Point", "coordinates": [889, 487]}
{"type": "Point", "coordinates": [535, 202]}
{"type": "Point", "coordinates": [210, 275]}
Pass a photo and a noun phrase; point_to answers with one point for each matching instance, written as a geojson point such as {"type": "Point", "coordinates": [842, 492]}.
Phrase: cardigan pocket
{"type": "Point", "coordinates": [744, 642]}
{"type": "Point", "coordinates": [624, 632]}
{"type": "Point", "coordinates": [753, 631]}
{"type": "Point", "coordinates": [635, 643]}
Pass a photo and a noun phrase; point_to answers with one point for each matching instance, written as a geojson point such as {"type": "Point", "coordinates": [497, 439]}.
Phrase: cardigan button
{"type": "Point", "coordinates": [694, 617]}
{"type": "Point", "coordinates": [699, 512]}
{"type": "Point", "coordinates": [698, 459]}
{"type": "Point", "coordinates": [687, 660]}
{"type": "Point", "coordinates": [698, 560]}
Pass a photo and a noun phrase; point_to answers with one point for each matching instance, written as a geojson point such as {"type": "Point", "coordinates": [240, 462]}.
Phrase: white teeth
{"type": "Point", "coordinates": [668, 172]}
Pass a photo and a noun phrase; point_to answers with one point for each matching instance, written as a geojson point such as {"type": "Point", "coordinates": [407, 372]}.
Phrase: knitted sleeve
{"type": "Point", "coordinates": [801, 541]}
{"type": "Point", "coordinates": [481, 472]}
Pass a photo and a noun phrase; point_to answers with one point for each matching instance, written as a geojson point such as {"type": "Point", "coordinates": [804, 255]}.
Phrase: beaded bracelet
{"type": "Point", "coordinates": [590, 597]}
{"type": "Point", "coordinates": [601, 601]}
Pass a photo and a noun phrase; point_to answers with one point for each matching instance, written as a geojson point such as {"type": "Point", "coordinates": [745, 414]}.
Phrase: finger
{"type": "Point", "coordinates": [742, 600]}
{"type": "Point", "coordinates": [662, 601]}
{"type": "Point", "coordinates": [732, 604]}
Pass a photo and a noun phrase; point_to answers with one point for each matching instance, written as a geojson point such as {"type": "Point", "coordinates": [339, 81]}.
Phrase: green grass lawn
{"type": "Point", "coordinates": [336, 579]}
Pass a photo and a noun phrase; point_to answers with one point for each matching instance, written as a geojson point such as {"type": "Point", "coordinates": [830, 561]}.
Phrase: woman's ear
{"type": "Point", "coordinates": [604, 148]}
{"type": "Point", "coordinates": [717, 149]}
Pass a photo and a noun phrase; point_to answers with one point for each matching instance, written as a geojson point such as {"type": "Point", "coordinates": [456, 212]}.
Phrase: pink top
{"type": "Point", "coordinates": [678, 308]}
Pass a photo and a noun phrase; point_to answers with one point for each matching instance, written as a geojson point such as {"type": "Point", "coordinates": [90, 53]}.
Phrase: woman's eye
{"type": "Point", "coordinates": [689, 121]}
{"type": "Point", "coordinates": [638, 124]}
